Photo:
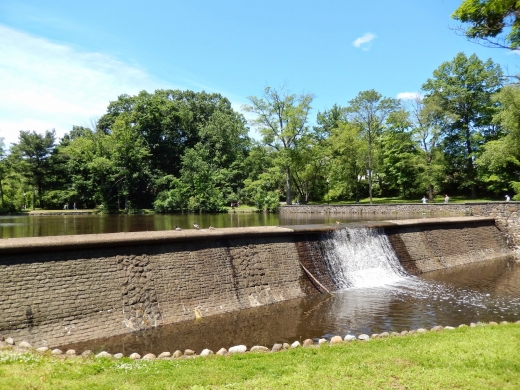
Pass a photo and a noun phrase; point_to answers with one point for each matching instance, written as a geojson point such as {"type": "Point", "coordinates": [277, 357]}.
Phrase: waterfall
{"type": "Point", "coordinates": [361, 257]}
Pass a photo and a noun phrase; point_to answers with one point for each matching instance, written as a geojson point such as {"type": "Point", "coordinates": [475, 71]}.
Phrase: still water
{"type": "Point", "coordinates": [476, 292]}
{"type": "Point", "coordinates": [58, 225]}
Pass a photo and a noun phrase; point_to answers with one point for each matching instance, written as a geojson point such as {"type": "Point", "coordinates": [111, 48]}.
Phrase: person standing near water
{"type": "Point", "coordinates": [424, 199]}
{"type": "Point", "coordinates": [508, 198]}
{"type": "Point", "coordinates": [446, 198]}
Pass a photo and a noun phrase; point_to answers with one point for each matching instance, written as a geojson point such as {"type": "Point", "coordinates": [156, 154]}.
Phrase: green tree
{"type": "Point", "coordinates": [34, 150]}
{"type": "Point", "coordinates": [500, 161]}
{"type": "Point", "coordinates": [369, 111]}
{"type": "Point", "coordinates": [427, 122]}
{"type": "Point", "coordinates": [488, 19]}
{"type": "Point", "coordinates": [463, 89]}
{"type": "Point", "coordinates": [282, 120]}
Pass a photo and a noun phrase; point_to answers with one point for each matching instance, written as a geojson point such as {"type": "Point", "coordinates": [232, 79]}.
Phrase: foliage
{"type": "Point", "coordinates": [463, 90]}
{"type": "Point", "coordinates": [282, 120]}
{"type": "Point", "coordinates": [488, 19]}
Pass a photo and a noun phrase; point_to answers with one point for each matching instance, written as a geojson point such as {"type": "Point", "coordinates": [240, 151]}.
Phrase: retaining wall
{"type": "Point", "coordinates": [60, 290]}
{"type": "Point", "coordinates": [505, 214]}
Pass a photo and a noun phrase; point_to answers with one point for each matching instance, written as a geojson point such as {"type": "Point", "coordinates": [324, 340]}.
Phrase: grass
{"type": "Point", "coordinates": [484, 357]}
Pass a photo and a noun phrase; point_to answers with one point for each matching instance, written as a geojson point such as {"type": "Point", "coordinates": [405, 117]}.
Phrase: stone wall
{"type": "Point", "coordinates": [506, 214]}
{"type": "Point", "coordinates": [61, 290]}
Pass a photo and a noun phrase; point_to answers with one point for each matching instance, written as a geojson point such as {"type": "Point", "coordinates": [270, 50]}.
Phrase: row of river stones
{"type": "Point", "coordinates": [239, 348]}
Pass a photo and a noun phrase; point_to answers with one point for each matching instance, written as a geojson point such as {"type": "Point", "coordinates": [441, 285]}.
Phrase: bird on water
{"type": "Point", "coordinates": [196, 226]}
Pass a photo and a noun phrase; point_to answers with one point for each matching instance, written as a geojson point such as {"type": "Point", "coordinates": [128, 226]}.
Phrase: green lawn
{"type": "Point", "coordinates": [436, 199]}
{"type": "Point", "coordinates": [485, 357]}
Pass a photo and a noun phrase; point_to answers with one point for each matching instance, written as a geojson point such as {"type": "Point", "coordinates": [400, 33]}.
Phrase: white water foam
{"type": "Point", "coordinates": [362, 257]}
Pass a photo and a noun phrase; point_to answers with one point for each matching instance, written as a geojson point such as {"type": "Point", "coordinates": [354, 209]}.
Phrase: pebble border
{"type": "Point", "coordinates": [24, 346]}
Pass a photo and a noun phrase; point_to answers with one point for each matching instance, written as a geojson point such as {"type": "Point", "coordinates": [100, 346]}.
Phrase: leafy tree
{"type": "Point", "coordinates": [347, 170]}
{"type": "Point", "coordinates": [500, 161]}
{"type": "Point", "coordinates": [369, 111]}
{"type": "Point", "coordinates": [34, 150]}
{"type": "Point", "coordinates": [398, 156]}
{"type": "Point", "coordinates": [463, 89]}
{"type": "Point", "coordinates": [427, 121]}
{"type": "Point", "coordinates": [282, 120]}
{"type": "Point", "coordinates": [488, 19]}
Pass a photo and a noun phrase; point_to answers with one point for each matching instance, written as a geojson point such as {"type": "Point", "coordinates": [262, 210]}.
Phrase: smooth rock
{"type": "Point", "coordinates": [56, 351]}
{"type": "Point", "coordinates": [517, 322]}
{"type": "Point", "coordinates": [206, 352]}
{"type": "Point", "coordinates": [135, 356]}
{"type": "Point", "coordinates": [118, 355]}
{"type": "Point", "coordinates": [413, 331]}
{"type": "Point", "coordinates": [493, 323]}
{"type": "Point", "coordinates": [437, 328]}
{"type": "Point", "coordinates": [336, 340]}
{"type": "Point", "coordinates": [103, 354]}
{"type": "Point", "coordinates": [421, 330]}
{"type": "Point", "coordinates": [374, 336]}
{"type": "Point", "coordinates": [9, 341]}
{"type": "Point", "coordinates": [70, 352]}
{"type": "Point", "coordinates": [42, 349]}
{"type": "Point", "coordinates": [296, 344]}
{"type": "Point", "coordinates": [24, 344]}
{"type": "Point", "coordinates": [189, 352]}
{"type": "Point", "coordinates": [259, 348]}
{"type": "Point", "coordinates": [286, 346]}
{"type": "Point", "coordinates": [322, 341]}
{"type": "Point", "coordinates": [384, 334]}
{"type": "Point", "coordinates": [404, 333]}
{"type": "Point", "coordinates": [238, 349]}
{"type": "Point", "coordinates": [222, 352]}
{"type": "Point", "coordinates": [363, 337]}
{"type": "Point", "coordinates": [177, 354]}
{"type": "Point", "coordinates": [449, 328]}
{"type": "Point", "coordinates": [504, 322]}
{"type": "Point", "coordinates": [472, 325]}
{"type": "Point", "coordinates": [277, 347]}
{"type": "Point", "coordinates": [348, 337]}
{"type": "Point", "coordinates": [308, 342]}
{"type": "Point", "coordinates": [395, 334]}
{"type": "Point", "coordinates": [164, 355]}
{"type": "Point", "coordinates": [462, 325]}
{"type": "Point", "coordinates": [149, 356]}
{"type": "Point", "coordinates": [88, 352]}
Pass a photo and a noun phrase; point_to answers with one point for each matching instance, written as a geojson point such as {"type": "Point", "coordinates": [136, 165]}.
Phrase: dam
{"type": "Point", "coordinates": [64, 290]}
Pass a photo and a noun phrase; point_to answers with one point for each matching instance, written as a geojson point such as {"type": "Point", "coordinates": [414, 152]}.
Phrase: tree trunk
{"type": "Point", "coordinates": [288, 197]}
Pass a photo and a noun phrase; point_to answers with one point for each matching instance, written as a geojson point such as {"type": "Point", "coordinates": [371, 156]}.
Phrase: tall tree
{"type": "Point", "coordinates": [463, 89]}
{"type": "Point", "coordinates": [35, 149]}
{"type": "Point", "coordinates": [282, 120]}
{"type": "Point", "coordinates": [369, 111]}
{"type": "Point", "coordinates": [488, 19]}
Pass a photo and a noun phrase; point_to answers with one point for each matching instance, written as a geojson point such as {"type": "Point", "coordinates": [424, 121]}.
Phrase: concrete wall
{"type": "Point", "coordinates": [506, 214]}
{"type": "Point", "coordinates": [60, 290]}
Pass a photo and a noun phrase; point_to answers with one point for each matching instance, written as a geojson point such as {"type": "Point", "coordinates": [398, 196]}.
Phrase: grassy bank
{"type": "Point", "coordinates": [466, 358]}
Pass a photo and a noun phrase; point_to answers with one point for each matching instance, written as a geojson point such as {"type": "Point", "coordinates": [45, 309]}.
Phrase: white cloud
{"type": "Point", "coordinates": [363, 42]}
{"type": "Point", "coordinates": [45, 85]}
{"type": "Point", "coordinates": [409, 95]}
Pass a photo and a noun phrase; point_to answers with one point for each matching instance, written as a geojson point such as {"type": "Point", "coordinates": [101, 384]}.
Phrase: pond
{"type": "Point", "coordinates": [476, 292]}
{"type": "Point", "coordinates": [71, 224]}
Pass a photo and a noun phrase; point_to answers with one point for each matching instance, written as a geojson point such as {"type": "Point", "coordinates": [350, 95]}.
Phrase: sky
{"type": "Point", "coordinates": [62, 62]}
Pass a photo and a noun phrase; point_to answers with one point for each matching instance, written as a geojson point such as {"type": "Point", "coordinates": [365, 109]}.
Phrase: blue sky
{"type": "Point", "coordinates": [61, 62]}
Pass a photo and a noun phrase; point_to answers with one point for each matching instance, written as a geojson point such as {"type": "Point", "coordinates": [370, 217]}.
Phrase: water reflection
{"type": "Point", "coordinates": [71, 224]}
{"type": "Point", "coordinates": [469, 293]}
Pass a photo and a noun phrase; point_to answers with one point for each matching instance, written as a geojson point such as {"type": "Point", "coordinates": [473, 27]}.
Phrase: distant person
{"type": "Point", "coordinates": [446, 198]}
{"type": "Point", "coordinates": [508, 198]}
{"type": "Point", "coordinates": [75, 208]}
{"type": "Point", "coordinates": [424, 199]}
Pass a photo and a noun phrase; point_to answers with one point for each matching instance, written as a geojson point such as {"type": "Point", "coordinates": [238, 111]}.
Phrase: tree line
{"type": "Point", "coordinates": [177, 150]}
